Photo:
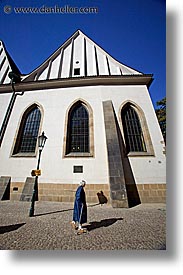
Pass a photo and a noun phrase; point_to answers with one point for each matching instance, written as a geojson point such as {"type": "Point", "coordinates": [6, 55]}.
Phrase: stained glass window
{"type": "Point", "coordinates": [132, 131]}
{"type": "Point", "coordinates": [78, 131]}
{"type": "Point", "coordinates": [28, 132]}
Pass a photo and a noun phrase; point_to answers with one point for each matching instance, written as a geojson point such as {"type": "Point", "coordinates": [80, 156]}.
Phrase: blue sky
{"type": "Point", "coordinates": [132, 31]}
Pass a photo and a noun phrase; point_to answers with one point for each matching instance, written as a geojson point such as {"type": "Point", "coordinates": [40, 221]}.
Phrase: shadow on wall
{"type": "Point", "coordinates": [102, 198]}
{"type": "Point", "coordinates": [131, 188]}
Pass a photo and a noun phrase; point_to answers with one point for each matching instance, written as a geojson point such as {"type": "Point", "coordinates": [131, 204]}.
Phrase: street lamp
{"type": "Point", "coordinates": [41, 143]}
{"type": "Point", "coordinates": [15, 78]}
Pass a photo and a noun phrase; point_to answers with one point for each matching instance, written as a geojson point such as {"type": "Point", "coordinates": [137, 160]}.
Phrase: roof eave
{"type": "Point", "coordinates": [145, 79]}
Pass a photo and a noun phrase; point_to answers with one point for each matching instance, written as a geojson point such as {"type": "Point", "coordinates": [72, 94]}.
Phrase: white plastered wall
{"type": "Point", "coordinates": [55, 168]}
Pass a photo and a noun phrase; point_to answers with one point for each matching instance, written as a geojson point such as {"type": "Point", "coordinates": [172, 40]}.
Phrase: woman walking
{"type": "Point", "coordinates": [80, 209]}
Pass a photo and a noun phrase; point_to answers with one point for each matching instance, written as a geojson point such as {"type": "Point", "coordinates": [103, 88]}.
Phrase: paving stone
{"type": "Point", "coordinates": [141, 227]}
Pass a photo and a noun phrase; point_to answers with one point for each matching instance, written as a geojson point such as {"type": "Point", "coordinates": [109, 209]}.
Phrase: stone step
{"type": "Point", "coordinates": [27, 189]}
{"type": "Point", "coordinates": [5, 187]}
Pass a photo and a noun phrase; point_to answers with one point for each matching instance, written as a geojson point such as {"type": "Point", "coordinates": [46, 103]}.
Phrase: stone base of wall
{"type": "Point", "coordinates": [152, 193]}
{"type": "Point", "coordinates": [66, 192]}
{"type": "Point", "coordinates": [16, 189]}
{"type": "Point", "coordinates": [63, 192]}
{"type": "Point", "coordinates": [148, 193]}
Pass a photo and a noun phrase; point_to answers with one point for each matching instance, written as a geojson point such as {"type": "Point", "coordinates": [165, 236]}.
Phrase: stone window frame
{"type": "Point", "coordinates": [91, 130]}
{"type": "Point", "coordinates": [17, 134]}
{"type": "Point", "coordinates": [144, 126]}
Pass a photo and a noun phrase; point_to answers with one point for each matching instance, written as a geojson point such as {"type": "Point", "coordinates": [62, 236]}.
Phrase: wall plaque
{"type": "Point", "coordinates": [78, 169]}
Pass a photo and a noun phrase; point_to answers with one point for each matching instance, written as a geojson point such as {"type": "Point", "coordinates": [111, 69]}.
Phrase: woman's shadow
{"type": "Point", "coordinates": [102, 223]}
{"type": "Point", "coordinates": [102, 198]}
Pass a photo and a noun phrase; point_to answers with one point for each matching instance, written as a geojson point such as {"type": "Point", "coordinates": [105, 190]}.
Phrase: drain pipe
{"type": "Point", "coordinates": [14, 79]}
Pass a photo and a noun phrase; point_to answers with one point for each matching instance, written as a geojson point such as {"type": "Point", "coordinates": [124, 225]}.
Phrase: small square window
{"type": "Point", "coordinates": [77, 71]}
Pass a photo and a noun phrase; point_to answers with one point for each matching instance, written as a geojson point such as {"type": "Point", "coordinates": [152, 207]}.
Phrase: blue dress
{"type": "Point", "coordinates": [80, 208]}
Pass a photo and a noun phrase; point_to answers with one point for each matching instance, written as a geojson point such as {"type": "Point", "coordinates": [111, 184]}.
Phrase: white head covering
{"type": "Point", "coordinates": [83, 182]}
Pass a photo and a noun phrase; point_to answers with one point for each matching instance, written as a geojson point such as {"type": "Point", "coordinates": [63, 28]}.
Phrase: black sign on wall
{"type": "Point", "coordinates": [77, 169]}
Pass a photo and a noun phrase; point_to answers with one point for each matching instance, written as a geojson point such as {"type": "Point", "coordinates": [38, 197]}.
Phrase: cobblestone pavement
{"type": "Point", "coordinates": [140, 227]}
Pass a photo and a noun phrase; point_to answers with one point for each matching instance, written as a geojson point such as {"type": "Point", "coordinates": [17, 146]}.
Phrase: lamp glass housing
{"type": "Point", "coordinates": [41, 141]}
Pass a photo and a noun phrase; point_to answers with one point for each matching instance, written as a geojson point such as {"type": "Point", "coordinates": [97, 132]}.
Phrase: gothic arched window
{"type": "Point", "coordinates": [28, 131]}
{"type": "Point", "coordinates": [78, 130]}
{"type": "Point", "coordinates": [133, 134]}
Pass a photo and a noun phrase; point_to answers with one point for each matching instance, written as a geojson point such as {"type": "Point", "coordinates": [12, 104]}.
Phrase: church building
{"type": "Point", "coordinates": [100, 125]}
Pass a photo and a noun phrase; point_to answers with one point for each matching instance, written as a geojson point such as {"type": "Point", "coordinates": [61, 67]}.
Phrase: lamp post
{"type": "Point", "coordinates": [41, 143]}
{"type": "Point", "coordinates": [14, 79]}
